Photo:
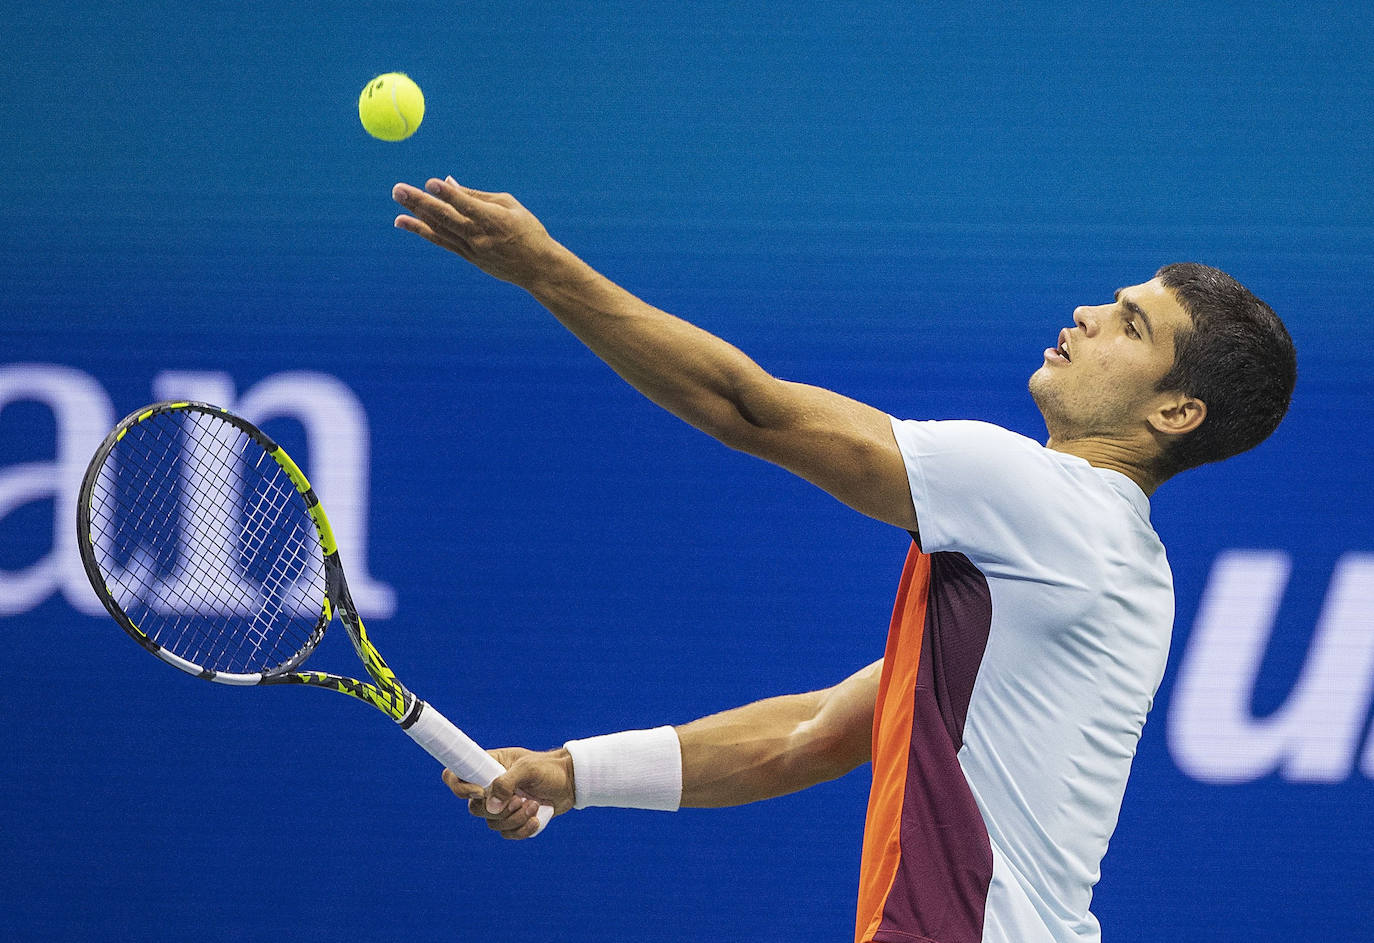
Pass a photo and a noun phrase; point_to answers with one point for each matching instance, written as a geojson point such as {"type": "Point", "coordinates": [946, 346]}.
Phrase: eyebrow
{"type": "Point", "coordinates": [1137, 311]}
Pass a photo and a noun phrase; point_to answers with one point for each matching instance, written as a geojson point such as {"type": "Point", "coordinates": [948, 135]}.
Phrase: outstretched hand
{"type": "Point", "coordinates": [509, 805]}
{"type": "Point", "coordinates": [491, 230]}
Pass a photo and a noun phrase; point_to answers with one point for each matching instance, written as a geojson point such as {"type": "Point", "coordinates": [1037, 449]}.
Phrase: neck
{"type": "Point", "coordinates": [1118, 455]}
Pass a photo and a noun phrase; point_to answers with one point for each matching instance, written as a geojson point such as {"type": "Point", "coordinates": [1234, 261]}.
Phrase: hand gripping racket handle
{"type": "Point", "coordinates": [460, 753]}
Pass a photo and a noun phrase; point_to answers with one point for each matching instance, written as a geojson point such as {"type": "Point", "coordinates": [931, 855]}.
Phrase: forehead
{"type": "Point", "coordinates": [1160, 304]}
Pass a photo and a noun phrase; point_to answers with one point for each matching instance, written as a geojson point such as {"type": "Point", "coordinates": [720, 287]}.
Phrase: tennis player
{"type": "Point", "coordinates": [1033, 617]}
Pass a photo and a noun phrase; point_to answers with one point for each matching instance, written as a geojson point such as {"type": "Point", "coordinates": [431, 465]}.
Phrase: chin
{"type": "Point", "coordinates": [1042, 391]}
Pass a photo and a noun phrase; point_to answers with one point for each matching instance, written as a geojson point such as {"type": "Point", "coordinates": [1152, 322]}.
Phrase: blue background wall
{"type": "Point", "coordinates": [900, 201]}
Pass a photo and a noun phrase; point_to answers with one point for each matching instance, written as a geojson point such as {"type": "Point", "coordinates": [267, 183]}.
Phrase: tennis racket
{"type": "Point", "coordinates": [208, 546]}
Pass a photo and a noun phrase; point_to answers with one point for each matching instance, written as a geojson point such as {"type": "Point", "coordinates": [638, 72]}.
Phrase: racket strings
{"type": "Point", "coordinates": [260, 521]}
{"type": "Point", "coordinates": [143, 457]}
{"type": "Point", "coordinates": [250, 644]}
{"type": "Point", "coordinates": [255, 526]}
{"type": "Point", "coordinates": [206, 545]}
{"type": "Point", "coordinates": [263, 525]}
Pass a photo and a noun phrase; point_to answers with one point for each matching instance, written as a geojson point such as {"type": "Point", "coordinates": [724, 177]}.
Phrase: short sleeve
{"type": "Point", "coordinates": [979, 489]}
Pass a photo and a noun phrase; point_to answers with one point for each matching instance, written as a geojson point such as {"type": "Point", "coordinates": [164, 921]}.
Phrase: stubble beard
{"type": "Point", "coordinates": [1048, 400]}
{"type": "Point", "coordinates": [1065, 422]}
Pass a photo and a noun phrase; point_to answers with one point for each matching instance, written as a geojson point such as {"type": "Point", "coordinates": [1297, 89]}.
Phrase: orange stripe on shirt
{"type": "Point", "coordinates": [892, 719]}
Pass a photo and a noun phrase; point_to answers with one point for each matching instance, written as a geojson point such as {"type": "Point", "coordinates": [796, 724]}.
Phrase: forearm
{"type": "Point", "coordinates": [693, 374]}
{"type": "Point", "coordinates": [838, 444]}
{"type": "Point", "coordinates": [755, 752]}
{"type": "Point", "coordinates": [779, 745]}
{"type": "Point", "coordinates": [761, 750]}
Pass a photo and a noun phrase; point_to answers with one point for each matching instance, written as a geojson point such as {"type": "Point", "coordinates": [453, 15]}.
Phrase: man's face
{"type": "Point", "coordinates": [1099, 379]}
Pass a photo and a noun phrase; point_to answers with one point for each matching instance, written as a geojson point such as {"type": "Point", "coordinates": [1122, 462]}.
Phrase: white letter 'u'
{"type": "Point", "coordinates": [1313, 737]}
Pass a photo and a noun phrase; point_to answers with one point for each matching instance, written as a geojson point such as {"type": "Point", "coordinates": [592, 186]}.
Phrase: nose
{"type": "Point", "coordinates": [1086, 318]}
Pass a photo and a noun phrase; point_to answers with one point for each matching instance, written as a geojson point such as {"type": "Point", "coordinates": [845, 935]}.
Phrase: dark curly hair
{"type": "Point", "coordinates": [1237, 358]}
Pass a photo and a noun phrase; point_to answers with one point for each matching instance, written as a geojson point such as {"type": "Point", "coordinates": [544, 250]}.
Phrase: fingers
{"type": "Point", "coordinates": [500, 199]}
{"type": "Point", "coordinates": [450, 209]}
{"type": "Point", "coordinates": [490, 230]}
{"type": "Point", "coordinates": [448, 200]}
{"type": "Point", "coordinates": [461, 788]}
{"type": "Point", "coordinates": [510, 813]}
{"type": "Point", "coordinates": [504, 787]}
{"type": "Point", "coordinates": [516, 818]}
{"type": "Point", "coordinates": [447, 214]}
{"type": "Point", "coordinates": [434, 215]}
{"type": "Point", "coordinates": [411, 224]}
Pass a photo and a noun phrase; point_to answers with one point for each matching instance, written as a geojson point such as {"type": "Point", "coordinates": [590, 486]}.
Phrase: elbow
{"type": "Point", "coordinates": [735, 429]}
{"type": "Point", "coordinates": [745, 413]}
{"type": "Point", "coordinates": [721, 420]}
{"type": "Point", "coordinates": [837, 737]}
{"type": "Point", "coordinates": [831, 752]}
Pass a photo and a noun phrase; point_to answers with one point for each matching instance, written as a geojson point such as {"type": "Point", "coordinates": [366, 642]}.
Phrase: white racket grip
{"type": "Point", "coordinates": [460, 753]}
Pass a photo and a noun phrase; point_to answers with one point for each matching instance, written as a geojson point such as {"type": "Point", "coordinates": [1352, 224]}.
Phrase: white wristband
{"type": "Point", "coordinates": [636, 769]}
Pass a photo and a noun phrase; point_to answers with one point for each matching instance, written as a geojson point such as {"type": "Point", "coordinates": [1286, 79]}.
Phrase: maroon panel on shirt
{"type": "Point", "coordinates": [958, 619]}
{"type": "Point", "coordinates": [941, 886]}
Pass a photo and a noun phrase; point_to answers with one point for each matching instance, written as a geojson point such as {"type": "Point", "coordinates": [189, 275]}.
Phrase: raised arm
{"type": "Point", "coordinates": [839, 444]}
{"type": "Point", "coordinates": [761, 750]}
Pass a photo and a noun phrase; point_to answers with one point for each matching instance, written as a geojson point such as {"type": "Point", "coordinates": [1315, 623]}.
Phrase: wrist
{"type": "Point", "coordinates": [634, 769]}
{"type": "Point", "coordinates": [560, 277]}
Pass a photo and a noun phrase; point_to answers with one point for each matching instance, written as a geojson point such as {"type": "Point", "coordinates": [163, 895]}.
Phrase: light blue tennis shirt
{"type": "Point", "coordinates": [1046, 634]}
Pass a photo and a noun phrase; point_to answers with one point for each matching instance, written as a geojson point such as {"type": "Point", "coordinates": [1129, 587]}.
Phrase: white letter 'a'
{"type": "Point", "coordinates": [1314, 735]}
{"type": "Point", "coordinates": [83, 414]}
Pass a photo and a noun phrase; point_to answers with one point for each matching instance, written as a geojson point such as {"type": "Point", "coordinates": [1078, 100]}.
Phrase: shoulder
{"type": "Point", "coordinates": [996, 495]}
{"type": "Point", "coordinates": [923, 434]}
{"type": "Point", "coordinates": [971, 453]}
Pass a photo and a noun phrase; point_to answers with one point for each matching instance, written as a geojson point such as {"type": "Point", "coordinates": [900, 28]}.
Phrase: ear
{"type": "Point", "coordinates": [1177, 414]}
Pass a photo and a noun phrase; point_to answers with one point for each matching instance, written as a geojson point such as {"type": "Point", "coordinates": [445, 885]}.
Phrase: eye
{"type": "Point", "coordinates": [1131, 329]}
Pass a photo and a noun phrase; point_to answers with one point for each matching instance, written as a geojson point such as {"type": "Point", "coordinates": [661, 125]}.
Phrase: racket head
{"type": "Point", "coordinates": [205, 542]}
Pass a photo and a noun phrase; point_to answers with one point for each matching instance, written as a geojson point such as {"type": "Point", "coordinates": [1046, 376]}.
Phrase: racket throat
{"type": "Point", "coordinates": [372, 660]}
{"type": "Point", "coordinates": [412, 713]}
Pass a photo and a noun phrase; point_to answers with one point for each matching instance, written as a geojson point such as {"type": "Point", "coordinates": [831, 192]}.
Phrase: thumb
{"type": "Point", "coordinates": [546, 777]}
{"type": "Point", "coordinates": [503, 789]}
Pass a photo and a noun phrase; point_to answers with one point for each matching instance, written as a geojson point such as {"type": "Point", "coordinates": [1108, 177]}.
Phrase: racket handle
{"type": "Point", "coordinates": [460, 753]}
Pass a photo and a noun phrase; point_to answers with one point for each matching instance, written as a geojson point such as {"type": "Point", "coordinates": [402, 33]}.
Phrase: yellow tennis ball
{"type": "Point", "coordinates": [391, 106]}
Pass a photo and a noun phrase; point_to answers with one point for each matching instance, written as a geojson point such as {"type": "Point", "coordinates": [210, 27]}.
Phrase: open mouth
{"type": "Point", "coordinates": [1063, 348]}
